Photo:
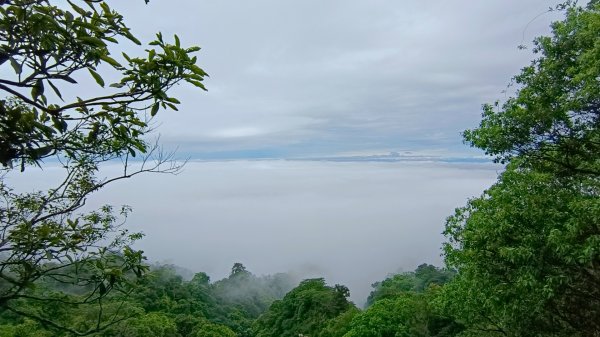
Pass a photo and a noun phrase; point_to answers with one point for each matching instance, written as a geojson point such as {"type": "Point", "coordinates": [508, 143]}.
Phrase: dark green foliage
{"type": "Point", "coordinates": [307, 310]}
{"type": "Point", "coordinates": [528, 250]}
{"type": "Point", "coordinates": [405, 305]}
{"type": "Point", "coordinates": [403, 316]}
{"type": "Point", "coordinates": [424, 276]}
{"type": "Point", "coordinates": [529, 244]}
{"type": "Point", "coordinates": [340, 325]}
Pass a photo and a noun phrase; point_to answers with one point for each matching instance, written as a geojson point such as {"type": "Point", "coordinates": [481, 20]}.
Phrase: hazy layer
{"type": "Point", "coordinates": [352, 223]}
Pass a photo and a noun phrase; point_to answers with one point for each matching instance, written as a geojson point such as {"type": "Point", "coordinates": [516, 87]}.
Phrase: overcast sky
{"type": "Point", "coordinates": [319, 78]}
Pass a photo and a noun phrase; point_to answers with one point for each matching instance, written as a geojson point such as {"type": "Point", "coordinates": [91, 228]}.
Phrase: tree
{"type": "Point", "coordinates": [552, 122]}
{"type": "Point", "coordinates": [418, 281]}
{"type": "Point", "coordinates": [152, 324]}
{"type": "Point", "coordinates": [390, 317]}
{"type": "Point", "coordinates": [238, 268]}
{"type": "Point", "coordinates": [306, 310]}
{"type": "Point", "coordinates": [46, 46]}
{"type": "Point", "coordinates": [406, 305]}
{"type": "Point", "coordinates": [528, 250]}
{"type": "Point", "coordinates": [250, 294]}
{"type": "Point", "coordinates": [527, 255]}
{"type": "Point", "coordinates": [45, 236]}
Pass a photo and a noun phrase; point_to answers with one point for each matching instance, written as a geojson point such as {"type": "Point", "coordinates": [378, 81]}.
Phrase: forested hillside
{"type": "Point", "coordinates": [522, 259]}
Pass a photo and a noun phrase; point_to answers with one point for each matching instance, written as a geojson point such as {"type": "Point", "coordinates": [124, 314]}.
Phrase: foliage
{"type": "Point", "coordinates": [198, 302]}
{"type": "Point", "coordinates": [424, 276]}
{"type": "Point", "coordinates": [149, 325]}
{"type": "Point", "coordinates": [306, 310]}
{"type": "Point", "coordinates": [528, 250]}
{"type": "Point", "coordinates": [45, 46]}
{"type": "Point", "coordinates": [251, 294]}
{"type": "Point", "coordinates": [340, 325]}
{"type": "Point", "coordinates": [401, 316]}
{"type": "Point", "coordinates": [212, 330]}
{"type": "Point", "coordinates": [79, 257]}
{"type": "Point", "coordinates": [527, 254]}
{"type": "Point", "coordinates": [405, 305]}
{"type": "Point", "coordinates": [552, 122]}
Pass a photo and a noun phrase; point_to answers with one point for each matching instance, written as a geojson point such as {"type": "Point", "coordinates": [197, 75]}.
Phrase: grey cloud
{"type": "Point", "coordinates": [296, 72]}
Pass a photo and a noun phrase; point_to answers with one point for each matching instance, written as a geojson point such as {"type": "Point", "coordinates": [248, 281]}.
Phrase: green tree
{"type": "Point", "coordinates": [46, 45]}
{"type": "Point", "coordinates": [340, 325]}
{"type": "Point", "coordinates": [46, 238]}
{"type": "Point", "coordinates": [391, 317]}
{"type": "Point", "coordinates": [417, 281]}
{"type": "Point", "coordinates": [149, 325]}
{"type": "Point", "coordinates": [208, 329]}
{"type": "Point", "coordinates": [527, 253]}
{"type": "Point", "coordinates": [251, 294]}
{"type": "Point", "coordinates": [528, 250]}
{"type": "Point", "coordinates": [552, 122]}
{"type": "Point", "coordinates": [306, 310]}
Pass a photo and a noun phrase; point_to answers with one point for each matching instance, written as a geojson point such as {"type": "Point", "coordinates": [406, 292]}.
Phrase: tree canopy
{"type": "Point", "coordinates": [552, 121]}
{"type": "Point", "coordinates": [527, 251]}
{"type": "Point", "coordinates": [305, 310]}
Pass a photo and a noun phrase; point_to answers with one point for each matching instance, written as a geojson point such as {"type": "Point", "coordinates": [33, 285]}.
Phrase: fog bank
{"type": "Point", "coordinates": [351, 222]}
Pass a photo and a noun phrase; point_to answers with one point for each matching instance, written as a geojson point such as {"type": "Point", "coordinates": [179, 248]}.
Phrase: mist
{"type": "Point", "coordinates": [350, 222]}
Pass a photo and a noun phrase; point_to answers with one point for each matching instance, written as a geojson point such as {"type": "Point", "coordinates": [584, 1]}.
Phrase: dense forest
{"type": "Point", "coordinates": [522, 259]}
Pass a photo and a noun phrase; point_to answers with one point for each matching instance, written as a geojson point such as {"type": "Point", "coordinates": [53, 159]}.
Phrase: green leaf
{"type": "Point", "coordinates": [37, 90]}
{"type": "Point", "coordinates": [66, 78]}
{"type": "Point", "coordinates": [154, 110]}
{"type": "Point", "coordinates": [78, 9]}
{"type": "Point", "coordinates": [197, 84]}
{"type": "Point", "coordinates": [56, 91]}
{"type": "Point", "coordinates": [173, 100]}
{"type": "Point", "coordinates": [92, 41]}
{"type": "Point", "coordinates": [132, 38]}
{"type": "Point", "coordinates": [69, 17]}
{"type": "Point", "coordinates": [110, 61]}
{"type": "Point", "coordinates": [96, 77]}
{"type": "Point", "coordinates": [16, 66]}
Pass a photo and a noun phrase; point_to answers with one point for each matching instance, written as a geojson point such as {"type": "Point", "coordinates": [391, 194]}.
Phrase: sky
{"type": "Point", "coordinates": [371, 95]}
{"type": "Point", "coordinates": [318, 78]}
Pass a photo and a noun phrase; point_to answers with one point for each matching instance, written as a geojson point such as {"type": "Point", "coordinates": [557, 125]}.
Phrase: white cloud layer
{"type": "Point", "coordinates": [351, 222]}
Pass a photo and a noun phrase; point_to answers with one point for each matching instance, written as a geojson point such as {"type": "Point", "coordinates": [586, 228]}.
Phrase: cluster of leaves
{"type": "Point", "coordinates": [527, 251]}
{"type": "Point", "coordinates": [46, 46]}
